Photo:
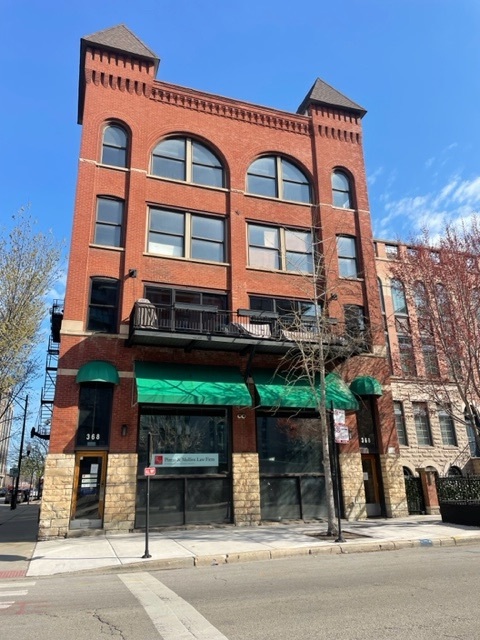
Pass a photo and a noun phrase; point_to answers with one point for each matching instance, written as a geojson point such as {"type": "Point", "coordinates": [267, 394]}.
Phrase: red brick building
{"type": "Point", "coordinates": [197, 224]}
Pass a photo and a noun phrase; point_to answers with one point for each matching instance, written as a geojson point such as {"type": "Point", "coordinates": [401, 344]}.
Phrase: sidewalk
{"type": "Point", "coordinates": [208, 546]}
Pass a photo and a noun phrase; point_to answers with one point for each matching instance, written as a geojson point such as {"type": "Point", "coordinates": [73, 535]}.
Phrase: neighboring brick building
{"type": "Point", "coordinates": [428, 436]}
{"type": "Point", "coordinates": [195, 222]}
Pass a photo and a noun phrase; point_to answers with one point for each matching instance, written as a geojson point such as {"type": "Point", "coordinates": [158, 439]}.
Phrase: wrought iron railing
{"type": "Point", "coordinates": [246, 323]}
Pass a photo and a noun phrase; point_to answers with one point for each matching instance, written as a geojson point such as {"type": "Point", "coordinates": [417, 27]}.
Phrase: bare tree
{"type": "Point", "coordinates": [320, 343]}
{"type": "Point", "coordinates": [29, 266]}
{"type": "Point", "coordinates": [441, 281]}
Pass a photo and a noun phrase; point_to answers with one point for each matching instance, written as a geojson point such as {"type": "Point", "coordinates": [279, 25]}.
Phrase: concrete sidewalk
{"type": "Point", "coordinates": [210, 546]}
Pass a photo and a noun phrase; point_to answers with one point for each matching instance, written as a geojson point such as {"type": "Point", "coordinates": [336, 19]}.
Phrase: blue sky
{"type": "Point", "coordinates": [413, 64]}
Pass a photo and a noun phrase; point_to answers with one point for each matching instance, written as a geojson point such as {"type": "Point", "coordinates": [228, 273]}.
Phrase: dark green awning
{"type": "Point", "coordinates": [366, 386]}
{"type": "Point", "coordinates": [339, 393]}
{"type": "Point", "coordinates": [276, 391]}
{"type": "Point", "coordinates": [98, 371]}
{"type": "Point", "coordinates": [160, 383]}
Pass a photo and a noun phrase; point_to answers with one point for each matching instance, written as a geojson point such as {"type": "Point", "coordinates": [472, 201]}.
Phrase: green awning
{"type": "Point", "coordinates": [98, 371]}
{"type": "Point", "coordinates": [366, 386]}
{"type": "Point", "coordinates": [160, 383]}
{"type": "Point", "coordinates": [339, 393]}
{"type": "Point", "coordinates": [276, 391]}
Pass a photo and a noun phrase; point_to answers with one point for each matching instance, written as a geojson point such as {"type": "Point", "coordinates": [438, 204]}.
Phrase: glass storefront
{"type": "Point", "coordinates": [292, 481]}
{"type": "Point", "coordinates": [191, 454]}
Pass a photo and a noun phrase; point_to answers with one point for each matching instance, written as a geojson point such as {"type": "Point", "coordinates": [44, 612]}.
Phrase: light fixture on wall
{"type": "Point", "coordinates": [132, 273]}
{"type": "Point", "coordinates": [124, 430]}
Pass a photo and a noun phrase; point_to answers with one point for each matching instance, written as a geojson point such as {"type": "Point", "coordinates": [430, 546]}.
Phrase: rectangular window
{"type": "Point", "coordinates": [108, 226]}
{"type": "Point", "coordinates": [95, 411]}
{"type": "Point", "coordinates": [430, 357]}
{"type": "Point", "coordinates": [422, 423]}
{"type": "Point", "coordinates": [400, 424]}
{"type": "Point", "coordinates": [354, 321]}
{"type": "Point", "coordinates": [391, 251]}
{"type": "Point", "coordinates": [281, 249]}
{"type": "Point", "coordinates": [103, 307]}
{"type": "Point", "coordinates": [183, 234]}
{"type": "Point", "coordinates": [347, 257]}
{"type": "Point", "coordinates": [447, 427]}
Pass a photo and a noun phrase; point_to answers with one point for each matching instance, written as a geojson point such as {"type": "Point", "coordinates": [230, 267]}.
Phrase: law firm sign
{"type": "Point", "coordinates": [185, 460]}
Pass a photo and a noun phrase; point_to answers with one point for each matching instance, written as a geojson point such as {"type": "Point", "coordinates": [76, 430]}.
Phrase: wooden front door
{"type": "Point", "coordinates": [89, 490]}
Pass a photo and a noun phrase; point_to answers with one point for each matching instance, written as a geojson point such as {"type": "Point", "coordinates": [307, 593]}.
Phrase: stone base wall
{"type": "Point", "coordinates": [394, 486]}
{"type": "Point", "coordinates": [119, 514]}
{"type": "Point", "coordinates": [353, 490]}
{"type": "Point", "coordinates": [246, 489]}
{"type": "Point", "coordinates": [56, 496]}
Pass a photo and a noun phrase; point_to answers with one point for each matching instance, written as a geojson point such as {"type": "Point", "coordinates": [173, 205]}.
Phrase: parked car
{"type": "Point", "coordinates": [3, 492]}
{"type": "Point", "coordinates": [22, 496]}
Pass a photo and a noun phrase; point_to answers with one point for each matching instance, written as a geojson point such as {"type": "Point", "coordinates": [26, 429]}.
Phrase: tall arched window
{"type": "Point", "coordinates": [342, 196]}
{"type": "Point", "coordinates": [187, 160]}
{"type": "Point", "coordinates": [114, 146]}
{"type": "Point", "coordinates": [425, 329]}
{"type": "Point", "coordinates": [275, 177]}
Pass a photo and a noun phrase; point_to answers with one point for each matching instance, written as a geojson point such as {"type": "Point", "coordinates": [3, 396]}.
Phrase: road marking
{"type": "Point", "coordinates": [9, 589]}
{"type": "Point", "coordinates": [173, 617]}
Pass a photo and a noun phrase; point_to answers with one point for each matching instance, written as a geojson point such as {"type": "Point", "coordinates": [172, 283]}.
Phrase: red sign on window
{"type": "Point", "coordinates": [149, 471]}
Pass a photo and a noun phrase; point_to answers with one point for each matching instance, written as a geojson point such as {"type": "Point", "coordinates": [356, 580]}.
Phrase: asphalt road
{"type": "Point", "coordinates": [418, 594]}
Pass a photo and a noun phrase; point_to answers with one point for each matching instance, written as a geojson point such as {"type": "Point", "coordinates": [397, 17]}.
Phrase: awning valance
{"type": "Point", "coordinates": [366, 386]}
{"type": "Point", "coordinates": [98, 371]}
{"type": "Point", "coordinates": [276, 391]}
{"type": "Point", "coordinates": [160, 383]}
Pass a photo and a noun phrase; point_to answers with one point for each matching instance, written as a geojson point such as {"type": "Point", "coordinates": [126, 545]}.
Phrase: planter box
{"type": "Point", "coordinates": [461, 513]}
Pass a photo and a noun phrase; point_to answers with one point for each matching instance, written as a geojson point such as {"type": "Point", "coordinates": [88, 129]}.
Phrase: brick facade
{"type": "Point", "coordinates": [118, 85]}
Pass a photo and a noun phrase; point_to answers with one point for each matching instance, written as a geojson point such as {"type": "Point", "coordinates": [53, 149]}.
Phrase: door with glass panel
{"type": "Point", "coordinates": [89, 490]}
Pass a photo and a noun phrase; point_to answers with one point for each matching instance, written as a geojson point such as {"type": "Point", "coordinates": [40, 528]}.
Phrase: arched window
{"type": "Point", "coordinates": [341, 190]}
{"type": "Point", "coordinates": [275, 177]}
{"type": "Point", "coordinates": [402, 326]}
{"type": "Point", "coordinates": [454, 472]}
{"type": "Point", "coordinates": [187, 160]}
{"type": "Point", "coordinates": [114, 146]}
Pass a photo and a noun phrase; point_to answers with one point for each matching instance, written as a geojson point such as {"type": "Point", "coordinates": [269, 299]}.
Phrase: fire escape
{"type": "Point", "coordinates": [47, 397]}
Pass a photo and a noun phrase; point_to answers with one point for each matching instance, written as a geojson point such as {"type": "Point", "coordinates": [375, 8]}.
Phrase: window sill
{"type": "Point", "coordinates": [190, 184]}
{"type": "Point", "coordinates": [105, 247]}
{"type": "Point", "coordinates": [113, 166]}
{"type": "Point", "coordinates": [304, 274]}
{"type": "Point", "coordinates": [182, 259]}
{"type": "Point", "coordinates": [279, 200]}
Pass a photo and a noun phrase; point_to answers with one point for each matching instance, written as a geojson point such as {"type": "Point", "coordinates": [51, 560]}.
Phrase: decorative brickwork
{"type": "Point", "coordinates": [120, 492]}
{"type": "Point", "coordinates": [352, 486]}
{"type": "Point", "coordinates": [56, 496]}
{"type": "Point", "coordinates": [394, 486]}
{"type": "Point", "coordinates": [246, 489]}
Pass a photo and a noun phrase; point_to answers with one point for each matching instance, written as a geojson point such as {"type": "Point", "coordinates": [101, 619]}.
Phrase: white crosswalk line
{"type": "Point", "coordinates": [9, 589]}
{"type": "Point", "coordinates": [173, 617]}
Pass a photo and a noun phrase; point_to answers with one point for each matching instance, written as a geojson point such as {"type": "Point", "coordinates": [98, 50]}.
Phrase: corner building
{"type": "Point", "coordinates": [196, 222]}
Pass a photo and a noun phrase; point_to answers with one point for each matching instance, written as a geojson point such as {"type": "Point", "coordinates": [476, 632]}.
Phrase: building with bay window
{"type": "Point", "coordinates": [197, 229]}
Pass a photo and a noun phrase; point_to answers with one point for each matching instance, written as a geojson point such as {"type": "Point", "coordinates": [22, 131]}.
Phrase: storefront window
{"type": "Point", "coordinates": [289, 444]}
{"type": "Point", "coordinates": [185, 441]}
{"type": "Point", "coordinates": [95, 409]}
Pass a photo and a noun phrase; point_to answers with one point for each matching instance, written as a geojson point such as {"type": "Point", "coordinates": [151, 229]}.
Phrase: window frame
{"type": "Point", "coordinates": [187, 235]}
{"type": "Point", "coordinates": [447, 426]}
{"type": "Point", "coordinates": [113, 325]}
{"type": "Point", "coordinates": [345, 193]}
{"type": "Point", "coordinates": [106, 146]}
{"type": "Point", "coordinates": [279, 180]}
{"type": "Point", "coordinates": [189, 163]}
{"type": "Point", "coordinates": [423, 431]}
{"type": "Point", "coordinates": [347, 259]}
{"type": "Point", "coordinates": [400, 424]}
{"type": "Point", "coordinates": [106, 224]}
{"type": "Point", "coordinates": [282, 251]}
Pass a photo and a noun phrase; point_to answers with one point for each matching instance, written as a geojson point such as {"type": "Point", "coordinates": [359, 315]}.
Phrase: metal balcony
{"type": "Point", "coordinates": [190, 326]}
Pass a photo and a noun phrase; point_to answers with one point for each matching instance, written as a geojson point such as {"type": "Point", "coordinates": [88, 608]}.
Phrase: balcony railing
{"type": "Point", "coordinates": [203, 326]}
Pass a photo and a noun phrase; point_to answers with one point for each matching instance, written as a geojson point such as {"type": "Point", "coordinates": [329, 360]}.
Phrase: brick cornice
{"type": "Point", "coordinates": [234, 110]}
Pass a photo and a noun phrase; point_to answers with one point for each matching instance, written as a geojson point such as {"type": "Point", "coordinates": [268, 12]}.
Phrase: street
{"type": "Point", "coordinates": [409, 594]}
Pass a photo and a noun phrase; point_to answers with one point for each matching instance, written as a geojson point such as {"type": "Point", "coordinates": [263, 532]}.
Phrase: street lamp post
{"type": "Point", "coordinates": [13, 502]}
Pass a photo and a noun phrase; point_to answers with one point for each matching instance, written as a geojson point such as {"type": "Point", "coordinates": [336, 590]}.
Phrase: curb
{"type": "Point", "coordinates": [168, 564]}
